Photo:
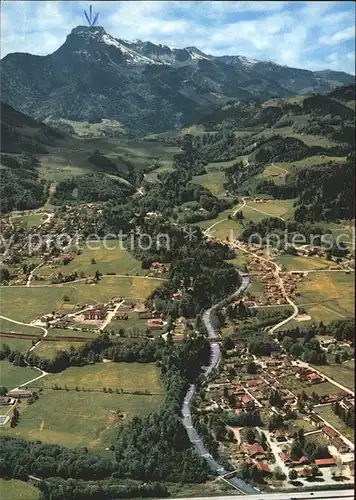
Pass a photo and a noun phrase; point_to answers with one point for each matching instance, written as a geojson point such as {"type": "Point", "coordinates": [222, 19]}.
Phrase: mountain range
{"type": "Point", "coordinates": [147, 87]}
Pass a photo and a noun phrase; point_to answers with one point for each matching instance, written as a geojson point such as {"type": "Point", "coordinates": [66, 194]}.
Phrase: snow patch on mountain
{"type": "Point", "coordinates": [131, 55]}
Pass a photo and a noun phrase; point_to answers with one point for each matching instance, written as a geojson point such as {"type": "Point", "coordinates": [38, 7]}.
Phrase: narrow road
{"type": "Point", "coordinates": [30, 277]}
{"type": "Point", "coordinates": [81, 280]}
{"type": "Point", "coordinates": [278, 269]}
{"type": "Point", "coordinates": [45, 331]}
{"type": "Point", "coordinates": [43, 373]}
{"type": "Point", "coordinates": [110, 316]}
{"type": "Point", "coordinates": [264, 213]}
{"type": "Point", "coordinates": [194, 437]}
{"type": "Point", "coordinates": [280, 168]}
{"type": "Point", "coordinates": [239, 207]}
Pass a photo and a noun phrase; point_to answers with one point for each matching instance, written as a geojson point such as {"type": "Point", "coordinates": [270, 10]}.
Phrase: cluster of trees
{"type": "Point", "coordinates": [325, 192]}
{"type": "Point", "coordinates": [262, 346]}
{"type": "Point", "coordinates": [347, 415]}
{"type": "Point", "coordinates": [20, 458]}
{"type": "Point", "coordinates": [203, 276]}
{"type": "Point", "coordinates": [90, 188]}
{"type": "Point", "coordinates": [341, 329]}
{"type": "Point", "coordinates": [64, 489]}
{"type": "Point", "coordinates": [20, 187]}
{"type": "Point", "coordinates": [307, 348]}
{"type": "Point", "coordinates": [15, 357]}
{"type": "Point", "coordinates": [157, 447]}
{"type": "Point", "coordinates": [249, 418]}
{"type": "Point", "coordinates": [303, 343]}
{"type": "Point", "coordinates": [276, 232]}
{"type": "Point", "coordinates": [307, 448]}
{"type": "Point", "coordinates": [141, 350]}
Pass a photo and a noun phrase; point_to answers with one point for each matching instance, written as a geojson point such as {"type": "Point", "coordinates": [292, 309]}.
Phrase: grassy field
{"type": "Point", "coordinates": [298, 263]}
{"type": "Point", "coordinates": [273, 208]}
{"type": "Point", "coordinates": [26, 304]}
{"type": "Point", "coordinates": [302, 424]}
{"type": "Point", "coordinates": [213, 181]}
{"type": "Point", "coordinates": [71, 418]}
{"type": "Point", "coordinates": [68, 332]}
{"type": "Point", "coordinates": [275, 174]}
{"type": "Point", "coordinates": [341, 373]}
{"type": "Point", "coordinates": [328, 294]}
{"type": "Point", "coordinates": [12, 376]}
{"type": "Point", "coordinates": [342, 232]}
{"type": "Point", "coordinates": [128, 376]}
{"type": "Point", "coordinates": [327, 414]}
{"type": "Point", "coordinates": [28, 220]}
{"type": "Point", "coordinates": [296, 386]}
{"type": "Point", "coordinates": [109, 257]}
{"type": "Point", "coordinates": [132, 325]}
{"type": "Point", "coordinates": [223, 227]}
{"type": "Point", "coordinates": [10, 327]}
{"type": "Point", "coordinates": [12, 489]}
{"type": "Point", "coordinates": [49, 349]}
{"type": "Point", "coordinates": [256, 288]}
{"type": "Point", "coordinates": [16, 344]}
{"type": "Point", "coordinates": [72, 159]}
{"type": "Point", "coordinates": [240, 260]}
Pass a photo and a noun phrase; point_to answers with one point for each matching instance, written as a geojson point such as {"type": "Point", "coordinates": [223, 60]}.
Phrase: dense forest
{"type": "Point", "coordinates": [324, 192]}
{"type": "Point", "coordinates": [90, 188]}
{"type": "Point", "coordinates": [20, 186]}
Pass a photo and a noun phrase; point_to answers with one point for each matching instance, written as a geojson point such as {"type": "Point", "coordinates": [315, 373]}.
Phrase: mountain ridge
{"type": "Point", "coordinates": [148, 87]}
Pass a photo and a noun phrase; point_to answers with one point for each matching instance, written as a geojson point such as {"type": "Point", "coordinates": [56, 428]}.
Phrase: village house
{"type": "Point", "coordinates": [98, 312]}
{"type": "Point", "coordinates": [314, 378]}
{"type": "Point", "coordinates": [347, 404]}
{"type": "Point", "coordinates": [329, 432]}
{"type": "Point", "coordinates": [262, 467]}
{"type": "Point", "coordinates": [339, 445]}
{"type": "Point", "coordinates": [155, 323]}
{"type": "Point", "coordinates": [254, 450]}
{"type": "Point", "coordinates": [19, 394]}
{"type": "Point", "coordinates": [316, 420]}
{"type": "Point", "coordinates": [5, 400]}
{"type": "Point", "coordinates": [121, 315]}
{"type": "Point", "coordinates": [178, 338]}
{"type": "Point", "coordinates": [325, 462]}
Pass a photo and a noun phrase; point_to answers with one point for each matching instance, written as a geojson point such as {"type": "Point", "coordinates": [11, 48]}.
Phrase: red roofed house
{"type": "Point", "coordinates": [285, 457]}
{"type": "Point", "coordinates": [155, 323]}
{"type": "Point", "coordinates": [325, 462]}
{"type": "Point", "coordinates": [316, 420]}
{"type": "Point", "coordinates": [245, 399]}
{"type": "Point", "coordinates": [19, 393]}
{"type": "Point", "coordinates": [301, 461]}
{"type": "Point", "coordinates": [97, 313]}
{"type": "Point", "coordinates": [263, 467]}
{"type": "Point", "coordinates": [255, 449]}
{"type": "Point", "coordinates": [328, 431]}
{"type": "Point", "coordinates": [121, 315]}
{"type": "Point", "coordinates": [314, 378]}
{"type": "Point", "coordinates": [340, 445]}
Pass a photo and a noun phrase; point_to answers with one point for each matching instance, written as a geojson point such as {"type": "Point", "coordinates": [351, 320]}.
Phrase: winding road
{"type": "Point", "coordinates": [194, 437]}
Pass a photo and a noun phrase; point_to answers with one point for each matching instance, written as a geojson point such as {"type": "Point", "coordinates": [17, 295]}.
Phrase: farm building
{"type": "Point", "coordinates": [19, 393]}
{"type": "Point", "coordinates": [325, 462]}
{"type": "Point", "coordinates": [155, 323]}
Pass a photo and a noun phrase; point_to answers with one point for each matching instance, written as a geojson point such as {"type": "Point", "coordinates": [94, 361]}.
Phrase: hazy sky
{"type": "Point", "coordinates": [312, 35]}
